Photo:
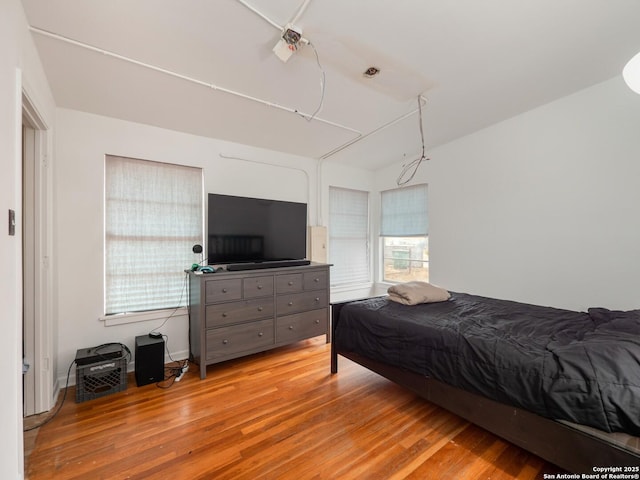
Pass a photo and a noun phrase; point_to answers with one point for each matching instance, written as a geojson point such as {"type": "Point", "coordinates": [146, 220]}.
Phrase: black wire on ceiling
{"type": "Point", "coordinates": [412, 167]}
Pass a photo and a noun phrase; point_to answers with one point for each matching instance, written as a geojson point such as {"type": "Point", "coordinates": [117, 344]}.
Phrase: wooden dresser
{"type": "Point", "coordinates": [233, 314]}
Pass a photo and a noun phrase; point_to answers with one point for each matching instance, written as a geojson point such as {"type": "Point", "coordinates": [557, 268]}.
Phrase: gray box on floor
{"type": "Point", "coordinates": [94, 380]}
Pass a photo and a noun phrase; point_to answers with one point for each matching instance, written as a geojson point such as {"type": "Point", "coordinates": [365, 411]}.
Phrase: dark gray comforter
{"type": "Point", "coordinates": [576, 366]}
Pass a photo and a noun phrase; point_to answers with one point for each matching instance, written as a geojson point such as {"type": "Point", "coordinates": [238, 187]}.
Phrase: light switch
{"type": "Point", "coordinates": [12, 222]}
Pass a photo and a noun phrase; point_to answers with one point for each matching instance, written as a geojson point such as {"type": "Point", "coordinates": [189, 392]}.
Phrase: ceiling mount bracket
{"type": "Point", "coordinates": [288, 43]}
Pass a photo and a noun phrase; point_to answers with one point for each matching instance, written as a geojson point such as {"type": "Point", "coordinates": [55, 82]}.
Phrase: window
{"type": "Point", "coordinates": [404, 229]}
{"type": "Point", "coordinates": [153, 217]}
{"type": "Point", "coordinates": [348, 236]}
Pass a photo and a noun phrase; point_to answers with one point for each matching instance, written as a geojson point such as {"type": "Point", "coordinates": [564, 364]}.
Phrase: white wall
{"type": "Point", "coordinates": [19, 68]}
{"type": "Point", "coordinates": [541, 208]}
{"type": "Point", "coordinates": [82, 140]}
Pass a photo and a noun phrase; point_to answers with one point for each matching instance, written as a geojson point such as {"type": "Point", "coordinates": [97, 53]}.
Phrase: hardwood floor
{"type": "Point", "coordinates": [275, 415]}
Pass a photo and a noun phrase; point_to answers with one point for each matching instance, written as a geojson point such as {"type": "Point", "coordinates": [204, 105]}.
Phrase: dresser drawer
{"type": "Point", "coordinates": [223, 290]}
{"type": "Point", "coordinates": [301, 302]}
{"type": "Point", "coordinates": [301, 325]}
{"type": "Point", "coordinates": [315, 280]}
{"type": "Point", "coordinates": [225, 341]}
{"type": "Point", "coordinates": [257, 287]}
{"type": "Point", "coordinates": [226, 313]}
{"type": "Point", "coordinates": [289, 283]}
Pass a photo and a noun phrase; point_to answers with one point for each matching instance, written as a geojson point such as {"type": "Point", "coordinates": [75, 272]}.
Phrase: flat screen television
{"type": "Point", "coordinates": [255, 230]}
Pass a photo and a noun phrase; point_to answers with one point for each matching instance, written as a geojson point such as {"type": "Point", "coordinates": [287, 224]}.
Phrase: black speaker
{"type": "Point", "coordinates": [149, 360]}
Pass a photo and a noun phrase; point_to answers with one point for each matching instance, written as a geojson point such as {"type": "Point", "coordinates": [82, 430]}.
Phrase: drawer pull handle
{"type": "Point", "coordinates": [317, 322]}
{"type": "Point", "coordinates": [290, 327]}
{"type": "Point", "coordinates": [259, 287]}
{"type": "Point", "coordinates": [316, 280]}
{"type": "Point", "coordinates": [290, 283]}
{"type": "Point", "coordinates": [224, 314]}
{"type": "Point", "coordinates": [260, 334]}
{"type": "Point", "coordinates": [225, 341]}
{"type": "Point", "coordinates": [259, 309]}
{"type": "Point", "coordinates": [224, 290]}
{"type": "Point", "coordinates": [290, 304]}
{"type": "Point", "coordinates": [317, 299]}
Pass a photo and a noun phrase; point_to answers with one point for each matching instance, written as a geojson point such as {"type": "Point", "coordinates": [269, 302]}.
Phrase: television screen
{"type": "Point", "coordinates": [243, 229]}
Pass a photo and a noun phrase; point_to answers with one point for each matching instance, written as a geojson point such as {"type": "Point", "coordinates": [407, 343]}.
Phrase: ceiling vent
{"type": "Point", "coordinates": [371, 72]}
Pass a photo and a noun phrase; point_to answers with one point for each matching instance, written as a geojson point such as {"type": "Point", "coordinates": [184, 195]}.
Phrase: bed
{"type": "Point", "coordinates": [564, 385]}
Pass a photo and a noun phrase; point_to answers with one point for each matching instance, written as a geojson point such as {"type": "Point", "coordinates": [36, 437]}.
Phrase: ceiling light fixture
{"type": "Point", "coordinates": [631, 73]}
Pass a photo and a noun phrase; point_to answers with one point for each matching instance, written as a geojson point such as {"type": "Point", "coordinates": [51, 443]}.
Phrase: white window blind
{"type": "Point", "coordinates": [348, 236]}
{"type": "Point", "coordinates": [153, 217]}
{"type": "Point", "coordinates": [404, 212]}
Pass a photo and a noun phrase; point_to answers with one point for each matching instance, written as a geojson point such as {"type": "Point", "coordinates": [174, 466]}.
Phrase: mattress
{"type": "Point", "coordinates": [581, 367]}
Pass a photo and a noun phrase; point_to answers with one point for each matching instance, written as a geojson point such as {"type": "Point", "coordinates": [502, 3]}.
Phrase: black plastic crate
{"type": "Point", "coordinates": [98, 379]}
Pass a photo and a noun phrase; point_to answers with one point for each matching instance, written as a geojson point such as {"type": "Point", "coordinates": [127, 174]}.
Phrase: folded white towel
{"type": "Point", "coordinates": [412, 293]}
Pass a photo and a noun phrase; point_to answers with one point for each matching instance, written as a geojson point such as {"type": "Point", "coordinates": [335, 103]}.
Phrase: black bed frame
{"type": "Point", "coordinates": [569, 448]}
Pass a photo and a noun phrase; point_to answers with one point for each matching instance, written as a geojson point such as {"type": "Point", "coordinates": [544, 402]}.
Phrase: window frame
{"type": "Point", "coordinates": [410, 230]}
{"type": "Point", "coordinates": [131, 189]}
{"type": "Point", "coordinates": [364, 277]}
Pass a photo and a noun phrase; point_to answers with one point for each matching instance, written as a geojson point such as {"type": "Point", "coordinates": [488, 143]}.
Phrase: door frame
{"type": "Point", "coordinates": [37, 276]}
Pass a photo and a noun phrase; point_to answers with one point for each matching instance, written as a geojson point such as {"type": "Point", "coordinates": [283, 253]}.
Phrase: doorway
{"type": "Point", "coordinates": [36, 302]}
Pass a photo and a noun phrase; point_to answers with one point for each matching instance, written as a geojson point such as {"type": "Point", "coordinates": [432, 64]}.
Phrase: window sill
{"type": "Point", "coordinates": [357, 292]}
{"type": "Point", "coordinates": [136, 317]}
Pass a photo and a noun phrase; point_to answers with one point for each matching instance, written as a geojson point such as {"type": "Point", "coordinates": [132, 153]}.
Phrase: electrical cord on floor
{"type": "Point", "coordinates": [64, 397]}
{"type": "Point", "coordinates": [66, 387]}
{"type": "Point", "coordinates": [173, 373]}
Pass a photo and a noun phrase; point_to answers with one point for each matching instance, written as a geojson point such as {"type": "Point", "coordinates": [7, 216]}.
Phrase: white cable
{"type": "Point", "coordinates": [322, 84]}
{"type": "Point", "coordinates": [300, 11]}
{"type": "Point", "coordinates": [372, 132]}
{"type": "Point", "coordinates": [359, 135]}
{"type": "Point", "coordinates": [261, 15]}
{"type": "Point", "coordinates": [188, 79]}
{"type": "Point", "coordinates": [306, 174]}
{"type": "Point", "coordinates": [293, 21]}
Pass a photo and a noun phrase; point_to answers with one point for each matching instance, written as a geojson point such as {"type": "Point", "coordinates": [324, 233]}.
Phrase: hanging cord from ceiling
{"type": "Point", "coordinates": [322, 85]}
{"type": "Point", "coordinates": [411, 168]}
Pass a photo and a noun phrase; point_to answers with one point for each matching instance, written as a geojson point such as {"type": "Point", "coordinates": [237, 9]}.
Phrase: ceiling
{"type": "Point", "coordinates": [207, 67]}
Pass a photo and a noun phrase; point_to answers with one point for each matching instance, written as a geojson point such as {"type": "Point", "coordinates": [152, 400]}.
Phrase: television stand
{"type": "Point", "coordinates": [236, 267]}
{"type": "Point", "coordinates": [233, 314]}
